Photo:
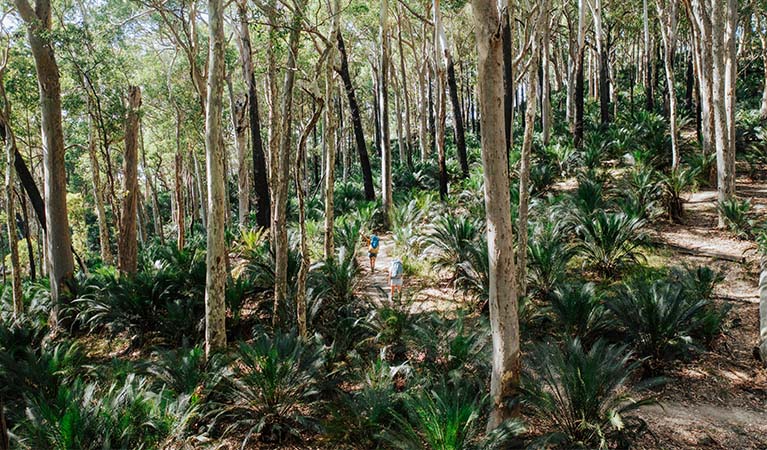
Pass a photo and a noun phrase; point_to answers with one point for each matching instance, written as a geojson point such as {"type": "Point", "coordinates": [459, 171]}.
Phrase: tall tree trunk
{"type": "Point", "coordinates": [405, 93]}
{"type": "Point", "coordinates": [329, 133]}
{"type": "Point", "coordinates": [354, 110]}
{"type": "Point", "coordinates": [504, 322]}
{"type": "Point", "coordinates": [127, 255]}
{"type": "Point", "coordinates": [216, 255]}
{"type": "Point", "coordinates": [423, 104]}
{"type": "Point", "coordinates": [460, 133]}
{"type": "Point", "coordinates": [546, 113]}
{"type": "Point", "coordinates": [98, 195]}
{"type": "Point", "coordinates": [730, 77]}
{"type": "Point", "coordinates": [719, 52]}
{"type": "Point", "coordinates": [239, 112]}
{"type": "Point", "coordinates": [603, 63]}
{"type": "Point", "coordinates": [440, 57]}
{"type": "Point", "coordinates": [579, 89]}
{"type": "Point", "coordinates": [648, 85]}
{"type": "Point", "coordinates": [508, 75]}
{"type": "Point", "coordinates": [763, 40]}
{"type": "Point", "coordinates": [179, 188]}
{"type": "Point", "coordinates": [61, 259]}
{"type": "Point", "coordinates": [303, 270]}
{"type": "Point", "coordinates": [9, 140]}
{"type": "Point", "coordinates": [527, 147]}
{"type": "Point", "coordinates": [282, 176]}
{"type": "Point", "coordinates": [667, 13]}
{"type": "Point", "coordinates": [383, 79]}
{"type": "Point", "coordinates": [261, 200]}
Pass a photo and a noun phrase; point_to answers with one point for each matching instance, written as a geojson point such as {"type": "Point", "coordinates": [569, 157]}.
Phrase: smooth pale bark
{"type": "Point", "coordinates": [667, 13]}
{"type": "Point", "coordinates": [504, 321]}
{"type": "Point", "coordinates": [527, 147]}
{"type": "Point", "coordinates": [603, 92]}
{"type": "Point", "coordinates": [730, 77]}
{"type": "Point", "coordinates": [300, 181]}
{"type": "Point", "coordinates": [646, 65]}
{"type": "Point", "coordinates": [398, 92]}
{"type": "Point", "coordinates": [59, 248]}
{"type": "Point", "coordinates": [127, 256]}
{"type": "Point", "coordinates": [719, 50]}
{"type": "Point", "coordinates": [578, 93]}
{"type": "Point", "coordinates": [423, 106]}
{"type": "Point", "coordinates": [239, 109]}
{"type": "Point", "coordinates": [261, 200]}
{"type": "Point", "coordinates": [282, 176]}
{"type": "Point", "coordinates": [383, 99]}
{"type": "Point", "coordinates": [9, 140]}
{"type": "Point", "coordinates": [440, 50]}
{"type": "Point", "coordinates": [763, 40]}
{"type": "Point", "coordinates": [179, 188]}
{"type": "Point", "coordinates": [354, 110]}
{"type": "Point", "coordinates": [274, 107]}
{"type": "Point", "coordinates": [405, 92]}
{"type": "Point", "coordinates": [98, 195]}
{"type": "Point", "coordinates": [546, 112]}
{"type": "Point", "coordinates": [329, 137]}
{"type": "Point", "coordinates": [216, 255]}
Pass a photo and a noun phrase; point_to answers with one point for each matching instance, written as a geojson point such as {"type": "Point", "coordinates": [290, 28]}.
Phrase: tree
{"type": "Point", "coordinates": [216, 256]}
{"type": "Point", "coordinates": [762, 32]}
{"type": "Point", "coordinates": [330, 131]}
{"type": "Point", "coordinates": [281, 177]}
{"type": "Point", "coordinates": [9, 143]}
{"type": "Point", "coordinates": [527, 145]}
{"type": "Point", "coordinates": [667, 13]}
{"type": "Point", "coordinates": [128, 246]}
{"type": "Point", "coordinates": [504, 321]}
{"type": "Point", "coordinates": [383, 99]}
{"type": "Point", "coordinates": [59, 242]}
{"type": "Point", "coordinates": [262, 200]}
{"type": "Point", "coordinates": [440, 60]}
{"type": "Point", "coordinates": [354, 111]}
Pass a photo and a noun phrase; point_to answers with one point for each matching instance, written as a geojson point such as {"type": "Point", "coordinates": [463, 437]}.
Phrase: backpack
{"type": "Point", "coordinates": [374, 241]}
{"type": "Point", "coordinates": [395, 271]}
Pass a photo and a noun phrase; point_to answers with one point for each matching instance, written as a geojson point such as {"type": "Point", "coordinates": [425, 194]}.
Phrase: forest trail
{"type": "Point", "coordinates": [419, 294]}
{"type": "Point", "coordinates": [717, 400]}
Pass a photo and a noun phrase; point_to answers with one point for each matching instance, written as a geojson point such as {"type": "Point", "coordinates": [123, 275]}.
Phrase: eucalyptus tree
{"type": "Point", "coordinates": [128, 248]}
{"type": "Point", "coordinates": [504, 320]}
{"type": "Point", "coordinates": [216, 254]}
{"type": "Point", "coordinates": [59, 243]}
{"type": "Point", "coordinates": [9, 143]}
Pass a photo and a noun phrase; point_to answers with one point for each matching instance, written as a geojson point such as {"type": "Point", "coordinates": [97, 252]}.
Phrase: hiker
{"type": "Point", "coordinates": [373, 251]}
{"type": "Point", "coordinates": [395, 277]}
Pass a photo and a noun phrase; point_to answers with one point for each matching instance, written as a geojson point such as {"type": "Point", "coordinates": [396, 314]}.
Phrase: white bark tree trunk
{"type": "Point", "coordinates": [282, 176]}
{"type": "Point", "coordinates": [216, 256]}
{"type": "Point", "coordinates": [503, 292]}
{"type": "Point", "coordinates": [59, 243]}
{"type": "Point", "coordinates": [386, 175]}
{"type": "Point", "coordinates": [9, 140]}
{"type": "Point", "coordinates": [329, 133]}
{"type": "Point", "coordinates": [667, 14]}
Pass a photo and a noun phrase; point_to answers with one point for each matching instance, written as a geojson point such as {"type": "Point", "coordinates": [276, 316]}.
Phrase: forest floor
{"type": "Point", "coordinates": [718, 399]}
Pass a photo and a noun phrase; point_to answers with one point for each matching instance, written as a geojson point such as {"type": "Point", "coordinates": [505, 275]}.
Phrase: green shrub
{"type": "Point", "coordinates": [446, 417]}
{"type": "Point", "coordinates": [548, 257]}
{"type": "Point", "coordinates": [657, 318]}
{"type": "Point", "coordinates": [578, 310]}
{"type": "Point", "coordinates": [270, 390]}
{"type": "Point", "coordinates": [737, 217]}
{"type": "Point", "coordinates": [609, 241]}
{"type": "Point", "coordinates": [582, 394]}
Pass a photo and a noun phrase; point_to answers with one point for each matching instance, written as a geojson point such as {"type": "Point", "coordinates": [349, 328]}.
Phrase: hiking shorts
{"type": "Point", "coordinates": [396, 281]}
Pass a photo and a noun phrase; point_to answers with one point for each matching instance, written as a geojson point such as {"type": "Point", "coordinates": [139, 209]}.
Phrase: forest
{"type": "Point", "coordinates": [389, 224]}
